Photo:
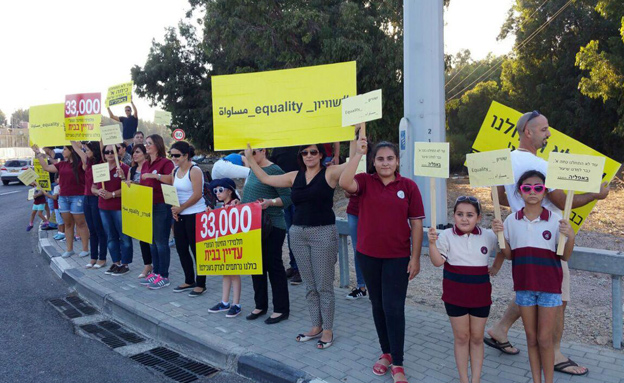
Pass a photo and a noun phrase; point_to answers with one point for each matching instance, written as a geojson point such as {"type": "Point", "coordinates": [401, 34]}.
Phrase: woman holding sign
{"type": "Point", "coordinates": [155, 172]}
{"type": "Point", "coordinates": [390, 217]}
{"type": "Point", "coordinates": [109, 203]}
{"type": "Point", "coordinates": [92, 155]}
{"type": "Point", "coordinates": [71, 196]}
{"type": "Point", "coordinates": [314, 239]}
{"type": "Point", "coordinates": [139, 157]}
{"type": "Point", "coordinates": [188, 180]}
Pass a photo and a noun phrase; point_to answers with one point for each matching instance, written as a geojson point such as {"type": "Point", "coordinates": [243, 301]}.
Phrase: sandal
{"type": "Point", "coordinates": [560, 367]}
{"type": "Point", "coordinates": [397, 370]}
{"type": "Point", "coordinates": [323, 345]}
{"type": "Point", "coordinates": [500, 346]}
{"type": "Point", "coordinates": [380, 369]}
{"type": "Point", "coordinates": [305, 338]}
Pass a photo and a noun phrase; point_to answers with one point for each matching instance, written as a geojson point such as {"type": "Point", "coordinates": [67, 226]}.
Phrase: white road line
{"type": "Point", "coordinates": [13, 192]}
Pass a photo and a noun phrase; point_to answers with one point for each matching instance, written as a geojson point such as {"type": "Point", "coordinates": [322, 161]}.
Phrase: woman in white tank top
{"type": "Point", "coordinates": [188, 180]}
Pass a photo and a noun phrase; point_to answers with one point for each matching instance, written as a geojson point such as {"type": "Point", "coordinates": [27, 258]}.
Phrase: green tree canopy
{"type": "Point", "coordinates": [2, 118]}
{"type": "Point", "coordinates": [19, 116]}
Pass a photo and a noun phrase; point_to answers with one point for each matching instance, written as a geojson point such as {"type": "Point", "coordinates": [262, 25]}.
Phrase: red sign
{"type": "Point", "coordinates": [178, 134]}
{"type": "Point", "coordinates": [83, 104]}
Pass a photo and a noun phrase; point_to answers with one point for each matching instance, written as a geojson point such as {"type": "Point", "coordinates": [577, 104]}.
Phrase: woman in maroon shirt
{"type": "Point", "coordinates": [71, 196]}
{"type": "Point", "coordinates": [388, 247]}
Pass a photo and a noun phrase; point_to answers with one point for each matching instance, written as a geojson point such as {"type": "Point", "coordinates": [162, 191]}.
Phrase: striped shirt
{"type": "Point", "coordinates": [535, 263]}
{"type": "Point", "coordinates": [254, 190]}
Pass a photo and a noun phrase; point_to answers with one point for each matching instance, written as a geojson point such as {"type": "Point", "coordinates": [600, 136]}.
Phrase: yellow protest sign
{"type": "Point", "coordinates": [47, 125]}
{"type": "Point", "coordinates": [229, 241]}
{"type": "Point", "coordinates": [575, 172]}
{"type": "Point", "coordinates": [119, 94]}
{"type": "Point", "coordinates": [111, 134]}
{"type": "Point", "coordinates": [490, 168]}
{"type": "Point", "coordinates": [43, 182]}
{"type": "Point", "coordinates": [498, 131]}
{"type": "Point", "coordinates": [170, 194]}
{"type": "Point", "coordinates": [31, 194]}
{"type": "Point", "coordinates": [136, 211]}
{"type": "Point", "coordinates": [431, 159]}
{"type": "Point", "coordinates": [100, 173]}
{"type": "Point", "coordinates": [82, 116]}
{"type": "Point", "coordinates": [162, 118]}
{"type": "Point", "coordinates": [363, 108]}
{"type": "Point", "coordinates": [283, 107]}
{"type": "Point", "coordinates": [28, 176]}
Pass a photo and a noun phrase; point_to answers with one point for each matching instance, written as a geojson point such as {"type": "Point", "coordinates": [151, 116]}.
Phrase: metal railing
{"type": "Point", "coordinates": [583, 258]}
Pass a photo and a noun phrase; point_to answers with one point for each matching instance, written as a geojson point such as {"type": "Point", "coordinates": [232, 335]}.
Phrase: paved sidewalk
{"type": "Point", "coordinates": [244, 346]}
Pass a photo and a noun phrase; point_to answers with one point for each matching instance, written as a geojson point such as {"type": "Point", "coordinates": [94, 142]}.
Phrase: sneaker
{"type": "Point", "coordinates": [59, 236]}
{"type": "Point", "coordinates": [233, 311]}
{"type": "Point", "coordinates": [84, 254]}
{"type": "Point", "coordinates": [68, 254]}
{"type": "Point", "coordinates": [147, 280]}
{"type": "Point", "coordinates": [112, 269]}
{"type": "Point", "coordinates": [29, 227]}
{"type": "Point", "coordinates": [290, 272]}
{"type": "Point", "coordinates": [296, 279]}
{"type": "Point", "coordinates": [49, 226]}
{"type": "Point", "coordinates": [121, 270]}
{"type": "Point", "coordinates": [219, 307]}
{"type": "Point", "coordinates": [179, 289]}
{"type": "Point", "coordinates": [357, 293]}
{"type": "Point", "coordinates": [45, 226]}
{"type": "Point", "coordinates": [172, 243]}
{"type": "Point", "coordinates": [158, 283]}
{"type": "Point", "coordinates": [76, 238]}
{"type": "Point", "coordinates": [194, 293]}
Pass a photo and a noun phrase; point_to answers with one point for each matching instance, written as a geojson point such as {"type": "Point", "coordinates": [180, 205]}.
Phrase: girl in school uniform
{"type": "Point", "coordinates": [531, 236]}
{"type": "Point", "coordinates": [464, 251]}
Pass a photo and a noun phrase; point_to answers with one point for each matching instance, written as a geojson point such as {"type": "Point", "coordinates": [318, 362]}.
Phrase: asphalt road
{"type": "Point", "coordinates": [36, 343]}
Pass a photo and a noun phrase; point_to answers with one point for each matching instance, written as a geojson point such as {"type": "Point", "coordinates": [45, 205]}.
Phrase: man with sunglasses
{"type": "Point", "coordinates": [534, 132]}
{"type": "Point", "coordinates": [130, 123]}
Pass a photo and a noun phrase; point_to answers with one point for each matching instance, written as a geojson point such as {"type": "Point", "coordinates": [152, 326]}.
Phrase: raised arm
{"type": "Point", "coordinates": [43, 161]}
{"type": "Point", "coordinates": [111, 115]}
{"type": "Point", "coordinates": [134, 108]}
{"type": "Point", "coordinates": [278, 181]}
{"type": "Point", "coordinates": [81, 154]}
{"type": "Point", "coordinates": [347, 180]}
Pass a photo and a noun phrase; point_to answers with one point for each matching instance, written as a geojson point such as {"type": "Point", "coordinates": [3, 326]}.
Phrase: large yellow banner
{"type": "Point", "coordinates": [229, 241]}
{"type": "Point", "coordinates": [498, 131]}
{"type": "Point", "coordinates": [136, 211]}
{"type": "Point", "coordinates": [282, 108]}
{"type": "Point", "coordinates": [47, 125]}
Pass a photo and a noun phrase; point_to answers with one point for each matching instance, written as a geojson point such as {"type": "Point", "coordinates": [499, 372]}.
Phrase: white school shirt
{"type": "Point", "coordinates": [473, 249]}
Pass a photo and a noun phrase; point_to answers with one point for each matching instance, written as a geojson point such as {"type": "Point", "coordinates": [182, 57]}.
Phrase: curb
{"type": "Point", "coordinates": [220, 352]}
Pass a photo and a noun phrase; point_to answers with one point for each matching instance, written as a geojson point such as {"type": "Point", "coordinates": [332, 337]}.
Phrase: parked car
{"type": "Point", "coordinates": [13, 168]}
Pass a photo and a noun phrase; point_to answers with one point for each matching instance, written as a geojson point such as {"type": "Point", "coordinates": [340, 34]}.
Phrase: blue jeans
{"type": "Point", "coordinates": [289, 212]}
{"type": "Point", "coordinates": [119, 244]}
{"type": "Point", "coordinates": [353, 223]}
{"type": "Point", "coordinates": [161, 226]}
{"type": "Point", "coordinates": [97, 235]}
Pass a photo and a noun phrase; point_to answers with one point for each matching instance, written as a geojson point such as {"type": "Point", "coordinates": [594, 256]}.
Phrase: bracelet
{"type": "Point", "coordinates": [159, 177]}
{"type": "Point", "coordinates": [113, 194]}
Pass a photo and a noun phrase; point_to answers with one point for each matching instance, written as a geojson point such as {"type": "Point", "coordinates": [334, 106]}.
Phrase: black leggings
{"type": "Point", "coordinates": [146, 253]}
{"type": "Point", "coordinates": [184, 234]}
{"type": "Point", "coordinates": [386, 280]}
{"type": "Point", "coordinates": [272, 265]}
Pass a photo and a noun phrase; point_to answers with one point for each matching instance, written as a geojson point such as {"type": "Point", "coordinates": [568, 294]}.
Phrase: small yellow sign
{"type": "Point", "coordinates": [170, 193]}
{"type": "Point", "coordinates": [27, 177]}
{"type": "Point", "coordinates": [111, 134]}
{"type": "Point", "coordinates": [119, 94]}
{"type": "Point", "coordinates": [431, 159]}
{"type": "Point", "coordinates": [363, 108]}
{"type": "Point", "coordinates": [575, 172]}
{"type": "Point", "coordinates": [31, 194]}
{"type": "Point", "coordinates": [136, 211]}
{"type": "Point", "coordinates": [43, 182]}
{"type": "Point", "coordinates": [101, 173]}
{"type": "Point", "coordinates": [490, 168]}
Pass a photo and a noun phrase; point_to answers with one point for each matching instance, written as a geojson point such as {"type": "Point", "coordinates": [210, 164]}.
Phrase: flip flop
{"type": "Point", "coordinates": [500, 346]}
{"type": "Point", "coordinates": [559, 367]}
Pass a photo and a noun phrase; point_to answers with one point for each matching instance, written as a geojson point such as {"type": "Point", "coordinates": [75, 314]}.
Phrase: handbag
{"type": "Point", "coordinates": [267, 225]}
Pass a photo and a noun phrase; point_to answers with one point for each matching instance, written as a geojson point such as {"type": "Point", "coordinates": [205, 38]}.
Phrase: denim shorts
{"type": "Point", "coordinates": [71, 204]}
{"type": "Point", "coordinates": [538, 298]}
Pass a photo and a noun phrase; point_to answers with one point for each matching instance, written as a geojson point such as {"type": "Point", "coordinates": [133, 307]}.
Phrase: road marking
{"type": "Point", "coordinates": [17, 191]}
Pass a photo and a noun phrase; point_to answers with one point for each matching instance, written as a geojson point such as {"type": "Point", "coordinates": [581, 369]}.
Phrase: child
{"type": "Point", "coordinates": [60, 235]}
{"type": "Point", "coordinates": [38, 208]}
{"type": "Point", "coordinates": [532, 235]}
{"type": "Point", "coordinates": [464, 251]}
{"type": "Point", "coordinates": [225, 191]}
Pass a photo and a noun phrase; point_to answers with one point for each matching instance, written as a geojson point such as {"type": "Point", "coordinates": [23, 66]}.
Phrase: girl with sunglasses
{"type": "Point", "coordinates": [464, 251]}
{"type": "Point", "coordinates": [119, 244]}
{"type": "Point", "coordinates": [389, 239]}
{"type": "Point", "coordinates": [314, 239]}
{"type": "Point", "coordinates": [225, 191]}
{"type": "Point", "coordinates": [139, 157]}
{"type": "Point", "coordinates": [188, 180]}
{"type": "Point", "coordinates": [531, 236]}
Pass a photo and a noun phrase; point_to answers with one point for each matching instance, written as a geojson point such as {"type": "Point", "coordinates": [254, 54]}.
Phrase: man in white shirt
{"type": "Point", "coordinates": [534, 133]}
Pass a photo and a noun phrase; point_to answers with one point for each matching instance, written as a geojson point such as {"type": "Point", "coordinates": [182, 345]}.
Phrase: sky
{"type": "Point", "coordinates": [49, 49]}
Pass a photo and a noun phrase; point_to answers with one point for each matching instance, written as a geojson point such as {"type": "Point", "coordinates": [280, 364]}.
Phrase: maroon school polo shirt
{"type": "Point", "coordinates": [161, 166]}
{"type": "Point", "coordinates": [383, 226]}
{"type": "Point", "coordinates": [88, 179]}
{"type": "Point", "coordinates": [353, 207]}
{"type": "Point", "coordinates": [112, 186]}
{"type": "Point", "coordinates": [68, 183]}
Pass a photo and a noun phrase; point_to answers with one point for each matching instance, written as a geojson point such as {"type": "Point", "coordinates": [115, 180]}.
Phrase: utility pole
{"type": "Point", "coordinates": [423, 91]}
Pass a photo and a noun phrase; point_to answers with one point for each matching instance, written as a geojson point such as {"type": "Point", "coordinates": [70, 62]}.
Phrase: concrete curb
{"type": "Point", "coordinates": [220, 352]}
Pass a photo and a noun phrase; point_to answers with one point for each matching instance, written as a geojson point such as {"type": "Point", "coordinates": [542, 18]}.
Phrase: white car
{"type": "Point", "coordinates": [13, 168]}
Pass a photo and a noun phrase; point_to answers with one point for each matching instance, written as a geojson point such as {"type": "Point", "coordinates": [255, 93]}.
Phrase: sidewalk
{"type": "Point", "coordinates": [269, 353]}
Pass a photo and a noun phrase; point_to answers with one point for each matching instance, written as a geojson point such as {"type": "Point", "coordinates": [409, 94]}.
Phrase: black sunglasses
{"type": "Point", "coordinates": [305, 153]}
{"type": "Point", "coordinates": [534, 114]}
{"type": "Point", "coordinates": [109, 152]}
{"type": "Point", "coordinates": [178, 155]}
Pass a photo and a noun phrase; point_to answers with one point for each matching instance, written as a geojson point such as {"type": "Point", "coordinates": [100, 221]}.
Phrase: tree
{"type": "Point", "coordinates": [2, 118]}
{"type": "Point", "coordinates": [20, 115]}
{"type": "Point", "coordinates": [242, 36]}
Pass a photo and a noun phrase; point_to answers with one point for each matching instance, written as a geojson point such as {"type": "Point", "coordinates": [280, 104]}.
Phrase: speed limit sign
{"type": "Point", "coordinates": [178, 134]}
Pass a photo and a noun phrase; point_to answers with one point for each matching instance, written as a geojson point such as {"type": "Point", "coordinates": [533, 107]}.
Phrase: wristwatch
{"type": "Point", "coordinates": [273, 202]}
{"type": "Point", "coordinates": [113, 194]}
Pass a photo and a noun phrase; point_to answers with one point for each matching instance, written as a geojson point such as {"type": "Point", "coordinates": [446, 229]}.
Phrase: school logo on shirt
{"type": "Point", "coordinates": [484, 250]}
{"type": "Point", "coordinates": [116, 175]}
{"type": "Point", "coordinates": [401, 194]}
{"type": "Point", "coordinates": [547, 235]}
{"type": "Point", "coordinates": [154, 171]}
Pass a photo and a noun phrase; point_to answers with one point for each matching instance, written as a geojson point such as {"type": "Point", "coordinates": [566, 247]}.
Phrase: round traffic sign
{"type": "Point", "coordinates": [178, 134]}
